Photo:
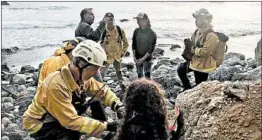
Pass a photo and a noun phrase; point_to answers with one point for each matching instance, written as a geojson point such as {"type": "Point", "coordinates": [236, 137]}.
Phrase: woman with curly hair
{"type": "Point", "coordinates": [145, 117]}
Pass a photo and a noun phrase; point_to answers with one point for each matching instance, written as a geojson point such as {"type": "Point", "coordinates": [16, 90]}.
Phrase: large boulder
{"type": "Point", "coordinates": [258, 53]}
{"type": "Point", "coordinates": [228, 110]}
{"type": "Point", "coordinates": [251, 63]}
{"type": "Point", "coordinates": [19, 79]}
{"type": "Point", "coordinates": [226, 73]}
{"type": "Point", "coordinates": [254, 74]}
{"type": "Point", "coordinates": [234, 55]}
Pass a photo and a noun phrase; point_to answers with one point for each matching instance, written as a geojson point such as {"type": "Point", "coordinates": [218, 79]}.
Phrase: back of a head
{"type": "Point", "coordinates": [84, 11]}
{"type": "Point", "coordinates": [145, 112]}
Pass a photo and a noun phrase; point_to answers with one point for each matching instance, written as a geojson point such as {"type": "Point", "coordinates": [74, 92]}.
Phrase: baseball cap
{"type": "Point", "coordinates": [110, 15]}
{"type": "Point", "coordinates": [141, 16]}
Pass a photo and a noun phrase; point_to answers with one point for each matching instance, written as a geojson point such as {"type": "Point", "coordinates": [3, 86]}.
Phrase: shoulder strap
{"type": "Point", "coordinates": [206, 33]}
{"type": "Point", "coordinates": [119, 31]}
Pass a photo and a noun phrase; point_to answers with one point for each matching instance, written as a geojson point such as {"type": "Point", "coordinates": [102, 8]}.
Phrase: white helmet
{"type": "Point", "coordinates": [91, 52]}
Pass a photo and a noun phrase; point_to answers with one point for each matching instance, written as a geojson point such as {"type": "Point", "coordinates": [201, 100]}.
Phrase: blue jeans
{"type": "Point", "coordinates": [144, 69]}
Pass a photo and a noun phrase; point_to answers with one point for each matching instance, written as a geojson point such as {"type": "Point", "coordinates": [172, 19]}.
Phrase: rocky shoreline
{"type": "Point", "coordinates": [234, 84]}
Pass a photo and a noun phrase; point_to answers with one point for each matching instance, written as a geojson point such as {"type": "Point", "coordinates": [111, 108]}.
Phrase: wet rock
{"type": "Point", "coordinates": [106, 79]}
{"type": "Point", "coordinates": [8, 106]}
{"type": "Point", "coordinates": [165, 62]}
{"type": "Point", "coordinates": [234, 55]}
{"type": "Point", "coordinates": [21, 88]}
{"type": "Point", "coordinates": [173, 92]}
{"type": "Point", "coordinates": [174, 47]}
{"type": "Point", "coordinates": [9, 116]}
{"type": "Point", "coordinates": [233, 62]}
{"type": "Point", "coordinates": [4, 137]}
{"type": "Point", "coordinates": [27, 69]}
{"type": "Point", "coordinates": [6, 121]}
{"type": "Point", "coordinates": [7, 99]}
{"type": "Point", "coordinates": [254, 74]}
{"type": "Point", "coordinates": [128, 65]}
{"type": "Point", "coordinates": [131, 76]}
{"type": "Point", "coordinates": [258, 53]}
{"type": "Point", "coordinates": [127, 54]}
{"type": "Point", "coordinates": [158, 52]}
{"type": "Point", "coordinates": [124, 20]}
{"type": "Point", "coordinates": [19, 79]}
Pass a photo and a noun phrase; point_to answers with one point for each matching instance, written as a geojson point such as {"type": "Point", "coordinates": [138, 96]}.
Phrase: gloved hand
{"type": "Point", "coordinates": [121, 112]}
{"type": "Point", "coordinates": [112, 126]}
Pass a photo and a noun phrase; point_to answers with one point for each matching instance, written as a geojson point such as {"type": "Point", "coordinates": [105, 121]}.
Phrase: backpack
{"type": "Point", "coordinates": [119, 33]}
{"type": "Point", "coordinates": [220, 49]}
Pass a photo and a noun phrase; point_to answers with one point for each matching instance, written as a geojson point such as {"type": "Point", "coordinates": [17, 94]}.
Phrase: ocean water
{"type": "Point", "coordinates": [38, 28]}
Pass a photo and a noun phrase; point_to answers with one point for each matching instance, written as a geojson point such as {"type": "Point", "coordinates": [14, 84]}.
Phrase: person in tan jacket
{"type": "Point", "coordinates": [202, 61]}
{"type": "Point", "coordinates": [53, 114]}
{"type": "Point", "coordinates": [115, 44]}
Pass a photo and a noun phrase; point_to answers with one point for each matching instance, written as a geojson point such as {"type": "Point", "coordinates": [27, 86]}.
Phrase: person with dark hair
{"type": "Point", "coordinates": [143, 45]}
{"type": "Point", "coordinates": [84, 28]}
{"type": "Point", "coordinates": [115, 44]}
{"type": "Point", "coordinates": [146, 114]}
{"type": "Point", "coordinates": [54, 113]}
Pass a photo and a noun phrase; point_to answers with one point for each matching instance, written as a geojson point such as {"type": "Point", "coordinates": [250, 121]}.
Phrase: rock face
{"type": "Point", "coordinates": [27, 69]}
{"type": "Point", "coordinates": [19, 79]}
{"type": "Point", "coordinates": [228, 110]}
{"type": "Point", "coordinates": [258, 53]}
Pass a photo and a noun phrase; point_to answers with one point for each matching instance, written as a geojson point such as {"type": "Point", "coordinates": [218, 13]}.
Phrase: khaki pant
{"type": "Point", "coordinates": [116, 65]}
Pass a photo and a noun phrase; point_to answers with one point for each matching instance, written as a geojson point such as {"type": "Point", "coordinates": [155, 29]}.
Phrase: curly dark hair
{"type": "Point", "coordinates": [145, 117]}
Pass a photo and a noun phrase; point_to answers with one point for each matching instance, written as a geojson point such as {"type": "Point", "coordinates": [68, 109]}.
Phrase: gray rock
{"type": "Point", "coordinates": [19, 79]}
{"type": "Point", "coordinates": [4, 3]}
{"type": "Point", "coordinates": [6, 121]}
{"type": "Point", "coordinates": [131, 76]}
{"type": "Point", "coordinates": [174, 47]}
{"type": "Point", "coordinates": [226, 73]}
{"type": "Point", "coordinates": [5, 68]}
{"type": "Point", "coordinates": [27, 69]}
{"type": "Point", "coordinates": [123, 20]}
{"type": "Point", "coordinates": [30, 80]}
{"type": "Point", "coordinates": [3, 127]}
{"type": "Point", "coordinates": [158, 52]}
{"type": "Point", "coordinates": [8, 106]}
{"type": "Point", "coordinates": [7, 99]}
{"type": "Point", "coordinates": [31, 90]}
{"type": "Point", "coordinates": [258, 53]}
{"type": "Point", "coordinates": [128, 65]}
{"type": "Point", "coordinates": [161, 62]}
{"type": "Point", "coordinates": [254, 74]}
{"type": "Point", "coordinates": [12, 127]}
{"type": "Point", "coordinates": [233, 62]}
{"type": "Point", "coordinates": [236, 55]}
{"type": "Point", "coordinates": [110, 113]}
{"type": "Point", "coordinates": [4, 93]}
{"type": "Point", "coordinates": [9, 116]}
{"type": "Point", "coordinates": [110, 82]}
{"type": "Point", "coordinates": [5, 138]}
{"type": "Point", "coordinates": [5, 82]}
{"type": "Point", "coordinates": [21, 88]}
{"type": "Point", "coordinates": [177, 61]}
{"type": "Point", "coordinates": [106, 79]}
{"type": "Point", "coordinates": [251, 63]}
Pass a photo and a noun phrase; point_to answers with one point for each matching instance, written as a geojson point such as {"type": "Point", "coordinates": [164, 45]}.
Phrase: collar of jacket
{"type": "Point", "coordinates": [68, 78]}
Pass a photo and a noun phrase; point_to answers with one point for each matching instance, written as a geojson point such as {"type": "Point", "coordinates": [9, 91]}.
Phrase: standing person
{"type": "Point", "coordinates": [115, 44]}
{"type": "Point", "coordinates": [143, 45]}
{"type": "Point", "coordinates": [204, 42]}
{"type": "Point", "coordinates": [53, 113]}
{"type": "Point", "coordinates": [146, 114]}
{"type": "Point", "coordinates": [84, 28]}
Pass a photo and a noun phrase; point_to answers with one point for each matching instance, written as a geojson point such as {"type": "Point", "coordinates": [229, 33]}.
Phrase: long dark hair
{"type": "Point", "coordinates": [145, 117]}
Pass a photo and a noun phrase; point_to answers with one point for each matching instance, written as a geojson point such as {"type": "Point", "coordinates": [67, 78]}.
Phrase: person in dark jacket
{"type": "Point", "coordinates": [143, 45]}
{"type": "Point", "coordinates": [84, 28]}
